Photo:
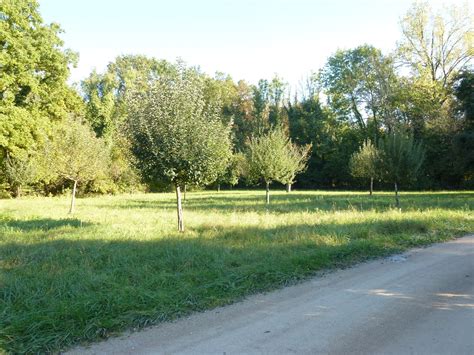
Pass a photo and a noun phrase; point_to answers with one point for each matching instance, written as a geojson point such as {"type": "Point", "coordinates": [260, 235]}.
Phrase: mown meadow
{"type": "Point", "coordinates": [118, 263]}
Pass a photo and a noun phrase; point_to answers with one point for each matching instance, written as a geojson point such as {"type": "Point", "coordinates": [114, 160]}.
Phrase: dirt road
{"type": "Point", "coordinates": [420, 302]}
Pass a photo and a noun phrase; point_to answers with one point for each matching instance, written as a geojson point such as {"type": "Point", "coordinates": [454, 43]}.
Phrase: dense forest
{"type": "Point", "coordinates": [104, 135]}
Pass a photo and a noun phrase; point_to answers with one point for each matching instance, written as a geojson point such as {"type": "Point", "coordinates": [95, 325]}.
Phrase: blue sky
{"type": "Point", "coordinates": [246, 39]}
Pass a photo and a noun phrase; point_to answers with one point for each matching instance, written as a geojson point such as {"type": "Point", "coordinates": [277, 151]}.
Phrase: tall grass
{"type": "Point", "coordinates": [118, 263]}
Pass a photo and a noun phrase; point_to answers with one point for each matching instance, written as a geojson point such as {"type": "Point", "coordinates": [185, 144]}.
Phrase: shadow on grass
{"type": "Point", "coordinates": [284, 203]}
{"type": "Point", "coordinates": [40, 224]}
{"type": "Point", "coordinates": [57, 293]}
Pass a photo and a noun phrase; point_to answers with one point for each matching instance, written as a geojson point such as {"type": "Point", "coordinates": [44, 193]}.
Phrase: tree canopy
{"type": "Point", "coordinates": [35, 67]}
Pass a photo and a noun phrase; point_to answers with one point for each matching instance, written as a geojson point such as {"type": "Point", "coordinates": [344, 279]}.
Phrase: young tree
{"type": "Point", "coordinates": [176, 136]}
{"type": "Point", "coordinates": [296, 162]}
{"type": "Point", "coordinates": [365, 163]}
{"type": "Point", "coordinates": [75, 154]}
{"type": "Point", "coordinates": [400, 158]}
{"type": "Point", "coordinates": [272, 157]}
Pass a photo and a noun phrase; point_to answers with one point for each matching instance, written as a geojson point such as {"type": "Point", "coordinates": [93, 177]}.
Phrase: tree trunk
{"type": "Point", "coordinates": [397, 201]}
{"type": "Point", "coordinates": [218, 187]}
{"type": "Point", "coordinates": [288, 187]}
{"type": "Point", "coordinates": [179, 209]}
{"type": "Point", "coordinates": [73, 198]}
{"type": "Point", "coordinates": [268, 193]}
{"type": "Point", "coordinates": [18, 191]}
{"type": "Point", "coordinates": [371, 185]}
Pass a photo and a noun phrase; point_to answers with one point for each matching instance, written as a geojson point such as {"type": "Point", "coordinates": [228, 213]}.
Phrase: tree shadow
{"type": "Point", "coordinates": [41, 224]}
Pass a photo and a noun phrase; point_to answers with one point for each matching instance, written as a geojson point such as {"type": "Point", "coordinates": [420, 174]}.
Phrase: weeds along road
{"type": "Point", "coordinates": [420, 302]}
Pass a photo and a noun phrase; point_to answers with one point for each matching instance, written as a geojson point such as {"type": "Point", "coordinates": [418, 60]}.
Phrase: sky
{"type": "Point", "coordinates": [249, 40]}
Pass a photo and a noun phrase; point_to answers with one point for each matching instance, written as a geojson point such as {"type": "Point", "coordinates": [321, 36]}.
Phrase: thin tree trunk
{"type": "Point", "coordinates": [288, 187]}
{"type": "Point", "coordinates": [179, 209]}
{"type": "Point", "coordinates": [18, 191]}
{"type": "Point", "coordinates": [397, 200]}
{"type": "Point", "coordinates": [268, 193]}
{"type": "Point", "coordinates": [371, 185]}
{"type": "Point", "coordinates": [73, 198]}
{"type": "Point", "coordinates": [218, 187]}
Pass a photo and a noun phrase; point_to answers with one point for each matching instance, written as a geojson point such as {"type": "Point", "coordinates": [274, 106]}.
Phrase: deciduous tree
{"type": "Point", "coordinates": [401, 159]}
{"type": "Point", "coordinates": [296, 162]}
{"type": "Point", "coordinates": [75, 154]}
{"type": "Point", "coordinates": [438, 44]}
{"type": "Point", "coordinates": [34, 70]}
{"type": "Point", "coordinates": [365, 163]}
{"type": "Point", "coordinates": [176, 136]}
{"type": "Point", "coordinates": [273, 157]}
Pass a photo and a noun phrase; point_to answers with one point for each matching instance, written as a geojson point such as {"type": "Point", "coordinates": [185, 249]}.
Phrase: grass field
{"type": "Point", "coordinates": [118, 263]}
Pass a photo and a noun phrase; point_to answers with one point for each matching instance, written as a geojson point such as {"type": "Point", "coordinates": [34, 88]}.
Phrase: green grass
{"type": "Point", "coordinates": [118, 263]}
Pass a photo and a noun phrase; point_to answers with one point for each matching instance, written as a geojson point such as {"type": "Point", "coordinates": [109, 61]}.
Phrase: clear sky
{"type": "Point", "coordinates": [246, 39]}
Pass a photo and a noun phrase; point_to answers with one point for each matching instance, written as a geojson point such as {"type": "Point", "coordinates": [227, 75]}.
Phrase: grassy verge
{"type": "Point", "coordinates": [118, 263]}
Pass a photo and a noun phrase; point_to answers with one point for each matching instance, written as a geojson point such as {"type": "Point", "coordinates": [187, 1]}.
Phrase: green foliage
{"type": "Point", "coordinates": [105, 94]}
{"type": "Point", "coordinates": [463, 147]}
{"type": "Point", "coordinates": [400, 157]}
{"type": "Point", "coordinates": [99, 94]}
{"type": "Point", "coordinates": [437, 45]}
{"type": "Point", "coordinates": [296, 161]}
{"type": "Point", "coordinates": [176, 136]}
{"type": "Point", "coordinates": [243, 113]}
{"type": "Point", "coordinates": [359, 84]}
{"type": "Point", "coordinates": [21, 130]}
{"type": "Point", "coordinates": [267, 156]}
{"type": "Point", "coordinates": [235, 170]}
{"type": "Point", "coordinates": [464, 91]}
{"type": "Point", "coordinates": [333, 142]}
{"type": "Point", "coordinates": [33, 89]}
{"type": "Point", "coordinates": [273, 157]}
{"type": "Point", "coordinates": [365, 162]}
{"type": "Point", "coordinates": [20, 172]}
{"type": "Point", "coordinates": [74, 153]}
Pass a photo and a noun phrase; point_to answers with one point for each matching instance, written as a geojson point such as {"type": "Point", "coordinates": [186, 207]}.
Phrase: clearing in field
{"type": "Point", "coordinates": [118, 263]}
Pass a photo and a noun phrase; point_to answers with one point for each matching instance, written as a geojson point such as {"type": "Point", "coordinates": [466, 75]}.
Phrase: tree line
{"type": "Point", "coordinates": [148, 124]}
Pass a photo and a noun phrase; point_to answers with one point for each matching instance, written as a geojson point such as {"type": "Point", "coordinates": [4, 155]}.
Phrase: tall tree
{"type": "Point", "coordinates": [358, 83]}
{"type": "Point", "coordinates": [176, 136]}
{"type": "Point", "coordinates": [464, 92]}
{"type": "Point", "coordinates": [333, 141]}
{"type": "Point", "coordinates": [277, 89]}
{"type": "Point", "coordinates": [463, 141]}
{"type": "Point", "coordinates": [35, 67]}
{"type": "Point", "coordinates": [104, 94]}
{"type": "Point", "coordinates": [437, 45]}
{"type": "Point", "coordinates": [243, 113]}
